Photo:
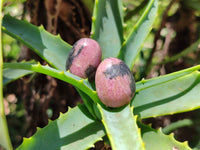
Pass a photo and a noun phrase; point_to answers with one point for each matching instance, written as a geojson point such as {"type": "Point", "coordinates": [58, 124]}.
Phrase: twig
{"type": "Point", "coordinates": [157, 36]}
{"type": "Point", "coordinates": [192, 48]}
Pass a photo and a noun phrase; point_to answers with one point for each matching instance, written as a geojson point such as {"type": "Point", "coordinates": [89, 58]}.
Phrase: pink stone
{"type": "Point", "coordinates": [84, 58]}
{"type": "Point", "coordinates": [115, 83]}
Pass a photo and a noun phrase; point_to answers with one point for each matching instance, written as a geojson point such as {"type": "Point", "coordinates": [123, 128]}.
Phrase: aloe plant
{"type": "Point", "coordinates": [92, 121]}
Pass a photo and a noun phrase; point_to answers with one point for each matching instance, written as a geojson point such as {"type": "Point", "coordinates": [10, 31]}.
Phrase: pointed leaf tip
{"type": "Point", "coordinates": [41, 27]}
{"type": "Point", "coordinates": [38, 128]}
{"type": "Point", "coordinates": [155, 139]}
{"type": "Point", "coordinates": [133, 44]}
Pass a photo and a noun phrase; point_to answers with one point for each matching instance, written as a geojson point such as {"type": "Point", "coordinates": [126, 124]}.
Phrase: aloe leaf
{"type": "Point", "coordinates": [121, 128]}
{"type": "Point", "coordinates": [10, 75]}
{"type": "Point", "coordinates": [49, 47]}
{"type": "Point", "coordinates": [155, 139]}
{"type": "Point", "coordinates": [174, 96]}
{"type": "Point", "coordinates": [133, 44]}
{"type": "Point", "coordinates": [82, 84]}
{"type": "Point", "coordinates": [178, 124]}
{"type": "Point", "coordinates": [73, 130]}
{"type": "Point", "coordinates": [88, 102]}
{"type": "Point", "coordinates": [4, 135]}
{"type": "Point", "coordinates": [143, 84]}
{"type": "Point", "coordinates": [107, 26]}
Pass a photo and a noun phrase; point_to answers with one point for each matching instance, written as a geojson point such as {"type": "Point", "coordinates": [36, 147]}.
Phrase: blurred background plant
{"type": "Point", "coordinates": [172, 45]}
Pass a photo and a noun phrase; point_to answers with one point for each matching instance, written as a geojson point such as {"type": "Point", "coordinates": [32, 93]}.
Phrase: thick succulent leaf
{"type": "Point", "coordinates": [155, 139]}
{"type": "Point", "coordinates": [175, 95]}
{"type": "Point", "coordinates": [178, 124]}
{"type": "Point", "coordinates": [121, 128]}
{"type": "Point", "coordinates": [82, 84]}
{"type": "Point", "coordinates": [73, 130]}
{"type": "Point", "coordinates": [10, 75]}
{"type": "Point", "coordinates": [4, 135]}
{"type": "Point", "coordinates": [88, 102]}
{"type": "Point", "coordinates": [132, 46]}
{"type": "Point", "coordinates": [49, 47]}
{"type": "Point", "coordinates": [107, 26]}
{"type": "Point", "coordinates": [143, 84]}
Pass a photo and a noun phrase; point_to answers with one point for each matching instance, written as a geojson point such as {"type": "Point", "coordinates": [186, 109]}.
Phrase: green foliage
{"type": "Point", "coordinates": [182, 95]}
{"type": "Point", "coordinates": [49, 47]}
{"type": "Point", "coordinates": [155, 139]}
{"type": "Point", "coordinates": [194, 4]}
{"type": "Point", "coordinates": [89, 4]}
{"type": "Point", "coordinates": [132, 46]}
{"type": "Point", "coordinates": [16, 1]}
{"type": "Point", "coordinates": [192, 48]}
{"type": "Point", "coordinates": [75, 129]}
{"type": "Point", "coordinates": [82, 84]}
{"type": "Point", "coordinates": [89, 122]}
{"type": "Point", "coordinates": [107, 26]}
{"type": "Point", "coordinates": [175, 125]}
{"type": "Point", "coordinates": [11, 48]}
{"type": "Point", "coordinates": [178, 92]}
{"type": "Point", "coordinates": [10, 75]}
{"type": "Point", "coordinates": [4, 136]}
{"type": "Point", "coordinates": [119, 132]}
